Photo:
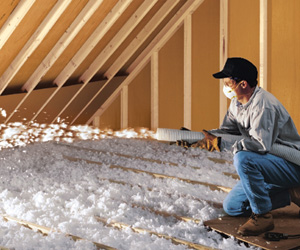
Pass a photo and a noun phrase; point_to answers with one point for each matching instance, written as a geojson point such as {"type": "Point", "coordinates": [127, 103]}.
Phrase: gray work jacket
{"type": "Point", "coordinates": [261, 121]}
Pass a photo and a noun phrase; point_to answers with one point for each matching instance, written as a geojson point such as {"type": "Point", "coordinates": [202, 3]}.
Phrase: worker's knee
{"type": "Point", "coordinates": [235, 207]}
{"type": "Point", "coordinates": [242, 161]}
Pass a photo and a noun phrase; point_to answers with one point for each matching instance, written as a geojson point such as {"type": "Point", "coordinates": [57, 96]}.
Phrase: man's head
{"type": "Point", "coordinates": [239, 69]}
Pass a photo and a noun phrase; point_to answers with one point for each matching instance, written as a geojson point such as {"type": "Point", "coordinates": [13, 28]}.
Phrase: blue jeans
{"type": "Point", "coordinates": [263, 186]}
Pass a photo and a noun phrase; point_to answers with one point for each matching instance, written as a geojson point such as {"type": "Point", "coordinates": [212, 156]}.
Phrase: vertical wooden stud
{"type": "Point", "coordinates": [187, 92]}
{"type": "Point", "coordinates": [96, 121]}
{"type": "Point", "coordinates": [154, 91]}
{"type": "Point", "coordinates": [223, 54]}
{"type": "Point", "coordinates": [263, 44]}
{"type": "Point", "coordinates": [124, 107]}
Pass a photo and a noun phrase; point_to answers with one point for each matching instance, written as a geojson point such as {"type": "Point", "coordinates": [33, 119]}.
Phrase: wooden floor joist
{"type": "Point", "coordinates": [166, 214]}
{"type": "Point", "coordinates": [174, 240]}
{"type": "Point", "coordinates": [156, 175]}
{"type": "Point", "coordinates": [118, 154]}
{"type": "Point", "coordinates": [46, 230]}
{"type": "Point", "coordinates": [213, 159]}
{"type": "Point", "coordinates": [216, 160]}
{"type": "Point", "coordinates": [212, 203]}
{"type": "Point", "coordinates": [234, 176]}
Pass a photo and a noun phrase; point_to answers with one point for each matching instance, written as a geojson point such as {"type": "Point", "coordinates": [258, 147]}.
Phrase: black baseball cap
{"type": "Point", "coordinates": [239, 68]}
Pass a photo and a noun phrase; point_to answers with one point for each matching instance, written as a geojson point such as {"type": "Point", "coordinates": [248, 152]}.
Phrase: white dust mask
{"type": "Point", "coordinates": [228, 92]}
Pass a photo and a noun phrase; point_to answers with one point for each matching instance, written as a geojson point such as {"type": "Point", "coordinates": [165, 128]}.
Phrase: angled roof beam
{"type": "Point", "coordinates": [92, 41]}
{"type": "Point", "coordinates": [137, 42]}
{"type": "Point", "coordinates": [114, 44]}
{"type": "Point", "coordinates": [130, 50]}
{"type": "Point", "coordinates": [57, 50]}
{"type": "Point", "coordinates": [87, 47]}
{"type": "Point", "coordinates": [33, 42]}
{"type": "Point", "coordinates": [163, 36]}
{"type": "Point", "coordinates": [14, 19]}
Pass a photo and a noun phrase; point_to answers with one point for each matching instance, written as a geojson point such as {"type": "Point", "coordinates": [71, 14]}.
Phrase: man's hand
{"type": "Point", "coordinates": [183, 144]}
{"type": "Point", "coordinates": [209, 142]}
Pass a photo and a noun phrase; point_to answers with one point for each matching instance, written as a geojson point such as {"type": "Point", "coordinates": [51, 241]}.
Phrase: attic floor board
{"type": "Point", "coordinates": [286, 221]}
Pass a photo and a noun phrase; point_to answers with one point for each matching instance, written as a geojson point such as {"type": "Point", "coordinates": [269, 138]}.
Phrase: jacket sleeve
{"type": "Point", "coordinates": [228, 126]}
{"type": "Point", "coordinates": [263, 132]}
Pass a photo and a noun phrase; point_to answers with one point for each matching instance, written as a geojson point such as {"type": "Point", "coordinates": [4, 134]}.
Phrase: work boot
{"type": "Point", "coordinates": [295, 195]}
{"type": "Point", "coordinates": [257, 224]}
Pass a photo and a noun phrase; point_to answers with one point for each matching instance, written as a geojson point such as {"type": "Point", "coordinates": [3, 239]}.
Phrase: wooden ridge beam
{"type": "Point", "coordinates": [176, 241]}
{"type": "Point", "coordinates": [55, 53]}
{"type": "Point", "coordinates": [46, 230]}
{"type": "Point", "coordinates": [156, 175]}
{"type": "Point", "coordinates": [112, 46]}
{"type": "Point", "coordinates": [33, 42]}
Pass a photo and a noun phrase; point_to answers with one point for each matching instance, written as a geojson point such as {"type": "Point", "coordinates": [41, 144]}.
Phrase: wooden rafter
{"type": "Point", "coordinates": [132, 22]}
{"type": "Point", "coordinates": [14, 20]}
{"type": "Point", "coordinates": [57, 50]}
{"type": "Point", "coordinates": [87, 47]}
{"type": "Point", "coordinates": [33, 43]}
{"type": "Point", "coordinates": [140, 38]}
{"type": "Point", "coordinates": [173, 25]}
{"type": "Point", "coordinates": [100, 31]}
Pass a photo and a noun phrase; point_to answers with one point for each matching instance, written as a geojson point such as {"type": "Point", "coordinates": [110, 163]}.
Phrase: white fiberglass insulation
{"type": "Point", "coordinates": [38, 184]}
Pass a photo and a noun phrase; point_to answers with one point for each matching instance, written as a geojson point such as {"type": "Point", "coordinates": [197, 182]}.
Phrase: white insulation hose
{"type": "Point", "coordinates": [285, 152]}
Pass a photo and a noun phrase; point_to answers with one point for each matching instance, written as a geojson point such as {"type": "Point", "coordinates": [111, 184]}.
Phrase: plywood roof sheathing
{"type": "Point", "coordinates": [33, 43]}
{"type": "Point", "coordinates": [99, 33]}
{"type": "Point", "coordinates": [92, 41]}
{"type": "Point", "coordinates": [14, 19]}
{"type": "Point", "coordinates": [140, 38]}
{"type": "Point", "coordinates": [163, 36]}
{"type": "Point", "coordinates": [57, 50]}
{"type": "Point", "coordinates": [128, 27]}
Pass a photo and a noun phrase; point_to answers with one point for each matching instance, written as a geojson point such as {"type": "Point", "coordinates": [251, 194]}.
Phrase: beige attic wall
{"type": "Point", "coordinates": [284, 55]}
